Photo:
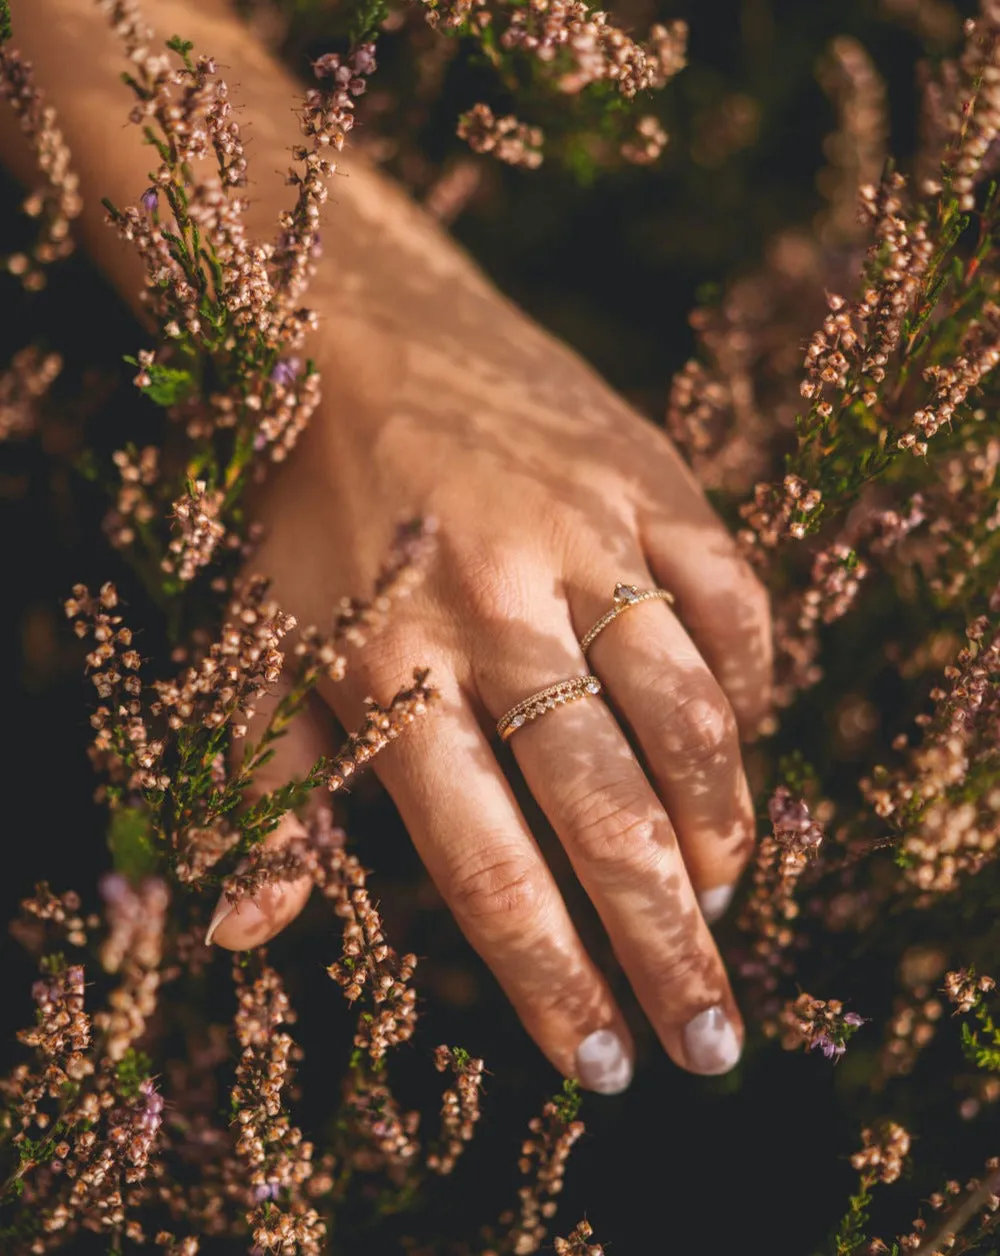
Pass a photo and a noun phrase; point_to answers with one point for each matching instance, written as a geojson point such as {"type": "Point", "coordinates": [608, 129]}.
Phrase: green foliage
{"type": "Point", "coordinates": [131, 1071]}
{"type": "Point", "coordinates": [851, 1232]}
{"type": "Point", "coordinates": [130, 839]}
{"type": "Point", "coordinates": [568, 1101]}
{"type": "Point", "coordinates": [5, 27]}
{"type": "Point", "coordinates": [169, 385]}
{"type": "Point", "coordinates": [982, 1046]}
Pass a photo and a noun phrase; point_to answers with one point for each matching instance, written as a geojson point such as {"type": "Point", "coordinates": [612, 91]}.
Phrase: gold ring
{"type": "Point", "coordinates": [625, 595]}
{"type": "Point", "coordinates": [546, 700]}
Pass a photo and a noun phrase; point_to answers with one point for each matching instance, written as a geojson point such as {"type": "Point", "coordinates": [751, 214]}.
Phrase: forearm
{"type": "Point", "coordinates": [384, 262]}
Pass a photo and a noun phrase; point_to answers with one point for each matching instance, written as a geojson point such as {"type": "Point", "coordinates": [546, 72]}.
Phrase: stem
{"type": "Point", "coordinates": [960, 1218]}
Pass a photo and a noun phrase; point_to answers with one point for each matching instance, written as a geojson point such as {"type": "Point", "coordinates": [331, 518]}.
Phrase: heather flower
{"type": "Point", "coordinates": [578, 1243]}
{"type": "Point", "coordinates": [964, 989]}
{"type": "Point", "coordinates": [507, 139]}
{"type": "Point", "coordinates": [817, 1025]}
{"type": "Point", "coordinates": [459, 1106]}
{"type": "Point", "coordinates": [57, 202]}
{"type": "Point", "coordinates": [543, 1165]}
{"type": "Point", "coordinates": [883, 1153]}
{"type": "Point", "coordinates": [22, 386]}
{"type": "Point", "coordinates": [779, 862]}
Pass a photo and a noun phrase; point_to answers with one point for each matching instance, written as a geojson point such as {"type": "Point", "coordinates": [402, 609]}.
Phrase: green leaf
{"type": "Point", "coordinates": [132, 1070]}
{"type": "Point", "coordinates": [167, 385]}
{"type": "Point", "coordinates": [568, 1101]}
{"type": "Point", "coordinates": [131, 842]}
{"type": "Point", "coordinates": [5, 31]}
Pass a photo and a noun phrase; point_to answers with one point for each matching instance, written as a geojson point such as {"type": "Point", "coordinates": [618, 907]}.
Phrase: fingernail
{"type": "Point", "coordinates": [711, 1043]}
{"type": "Point", "coordinates": [603, 1063]}
{"type": "Point", "coordinates": [223, 910]}
{"type": "Point", "coordinates": [250, 914]}
{"type": "Point", "coordinates": [715, 901]}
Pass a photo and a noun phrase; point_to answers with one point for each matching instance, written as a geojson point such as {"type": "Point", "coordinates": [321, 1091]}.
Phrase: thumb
{"type": "Point", "coordinates": [252, 921]}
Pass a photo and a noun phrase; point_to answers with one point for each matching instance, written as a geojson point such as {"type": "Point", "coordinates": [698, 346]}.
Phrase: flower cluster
{"type": "Point", "coordinates": [818, 1025]}
{"type": "Point", "coordinates": [135, 507]}
{"type": "Point", "coordinates": [57, 202]}
{"type": "Point", "coordinates": [279, 1159]}
{"type": "Point", "coordinates": [964, 989]}
{"type": "Point", "coordinates": [595, 49]}
{"type": "Point", "coordinates": [779, 861]}
{"type": "Point", "coordinates": [326, 120]}
{"type": "Point", "coordinates": [136, 917]}
{"type": "Point", "coordinates": [543, 1162]}
{"type": "Point", "coordinates": [199, 530]}
{"type": "Point", "coordinates": [22, 386]}
{"type": "Point", "coordinates": [945, 832]}
{"type": "Point", "coordinates": [578, 1242]}
{"type": "Point", "coordinates": [506, 138]}
{"type": "Point", "coordinates": [459, 1106]}
{"type": "Point", "coordinates": [883, 1153]}
{"type": "Point", "coordinates": [368, 965]}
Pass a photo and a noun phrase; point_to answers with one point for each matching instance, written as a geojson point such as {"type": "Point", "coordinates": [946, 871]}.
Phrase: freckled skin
{"type": "Point", "coordinates": [440, 398]}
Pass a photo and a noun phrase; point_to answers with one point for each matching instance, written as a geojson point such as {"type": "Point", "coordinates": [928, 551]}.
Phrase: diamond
{"type": "Point", "coordinates": [626, 593]}
{"type": "Point", "coordinates": [593, 686]}
{"type": "Point", "coordinates": [517, 721]}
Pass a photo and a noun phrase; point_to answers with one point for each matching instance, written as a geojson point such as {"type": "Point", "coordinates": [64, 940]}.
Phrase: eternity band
{"type": "Point", "coordinates": [546, 700]}
{"type": "Point", "coordinates": [625, 595]}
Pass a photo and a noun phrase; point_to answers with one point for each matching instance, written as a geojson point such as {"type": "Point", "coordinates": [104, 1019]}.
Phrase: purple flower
{"type": "Point", "coordinates": [149, 200]}
{"type": "Point", "coordinates": [286, 372]}
{"type": "Point", "coordinates": [832, 1050]}
{"type": "Point", "coordinates": [854, 1020]}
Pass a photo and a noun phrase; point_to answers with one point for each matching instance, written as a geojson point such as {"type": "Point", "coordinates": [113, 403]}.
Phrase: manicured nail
{"type": "Point", "coordinates": [250, 915]}
{"type": "Point", "coordinates": [711, 1043]}
{"type": "Point", "coordinates": [715, 901]}
{"type": "Point", "coordinates": [603, 1062]}
{"type": "Point", "coordinates": [223, 910]}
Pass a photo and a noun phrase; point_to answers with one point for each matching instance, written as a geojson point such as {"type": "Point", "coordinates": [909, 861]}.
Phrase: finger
{"type": "Point", "coordinates": [686, 727]}
{"type": "Point", "coordinates": [476, 846]}
{"type": "Point", "coordinates": [254, 921]}
{"type": "Point", "coordinates": [720, 601]}
{"type": "Point", "coordinates": [581, 770]}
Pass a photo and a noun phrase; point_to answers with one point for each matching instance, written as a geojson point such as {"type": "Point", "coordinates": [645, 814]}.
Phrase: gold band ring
{"type": "Point", "coordinates": [625, 595]}
{"type": "Point", "coordinates": [546, 700]}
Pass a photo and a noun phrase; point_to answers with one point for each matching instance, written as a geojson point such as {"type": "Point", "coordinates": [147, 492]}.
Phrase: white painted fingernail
{"type": "Point", "coordinates": [223, 910]}
{"type": "Point", "coordinates": [711, 1044]}
{"type": "Point", "coordinates": [715, 901]}
{"type": "Point", "coordinates": [603, 1062]}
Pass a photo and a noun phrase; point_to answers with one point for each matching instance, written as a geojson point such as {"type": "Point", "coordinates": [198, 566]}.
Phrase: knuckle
{"type": "Point", "coordinates": [701, 730]}
{"type": "Point", "coordinates": [686, 975]}
{"type": "Point", "coordinates": [492, 586]}
{"type": "Point", "coordinates": [497, 891]}
{"type": "Point", "coordinates": [615, 829]}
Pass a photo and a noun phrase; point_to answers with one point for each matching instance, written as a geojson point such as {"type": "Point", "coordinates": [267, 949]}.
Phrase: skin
{"type": "Point", "coordinates": [442, 399]}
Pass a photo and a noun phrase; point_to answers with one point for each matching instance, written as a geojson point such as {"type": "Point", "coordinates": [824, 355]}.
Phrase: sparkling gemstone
{"type": "Point", "coordinates": [517, 721]}
{"type": "Point", "coordinates": [593, 686]}
{"type": "Point", "coordinates": [626, 593]}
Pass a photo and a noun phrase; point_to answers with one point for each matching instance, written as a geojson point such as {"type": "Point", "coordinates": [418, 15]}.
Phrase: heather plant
{"type": "Point", "coordinates": [839, 409]}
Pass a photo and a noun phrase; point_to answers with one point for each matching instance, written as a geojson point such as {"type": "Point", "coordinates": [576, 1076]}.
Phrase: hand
{"type": "Point", "coordinates": [547, 490]}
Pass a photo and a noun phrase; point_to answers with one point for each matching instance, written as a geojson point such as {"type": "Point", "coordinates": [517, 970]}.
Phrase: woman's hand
{"type": "Point", "coordinates": [442, 399]}
{"type": "Point", "coordinates": [547, 490]}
